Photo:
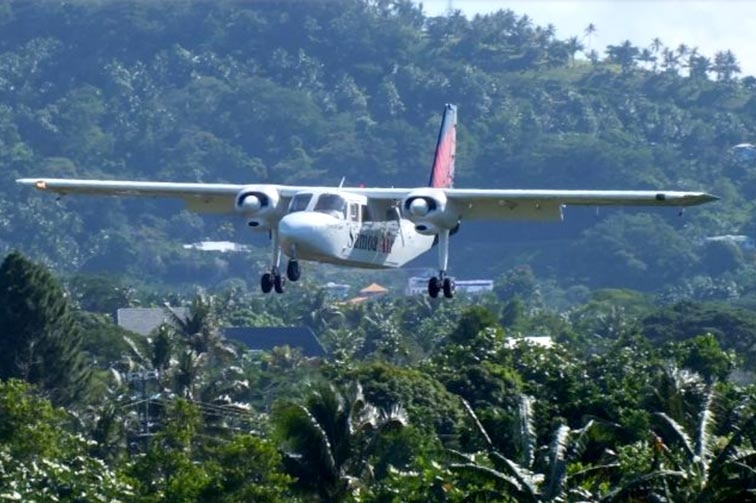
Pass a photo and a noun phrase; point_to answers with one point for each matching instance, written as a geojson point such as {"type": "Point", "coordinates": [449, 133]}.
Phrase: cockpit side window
{"type": "Point", "coordinates": [331, 204]}
{"type": "Point", "coordinates": [299, 202]}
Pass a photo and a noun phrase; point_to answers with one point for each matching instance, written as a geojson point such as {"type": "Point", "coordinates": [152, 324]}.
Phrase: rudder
{"type": "Point", "coordinates": [442, 173]}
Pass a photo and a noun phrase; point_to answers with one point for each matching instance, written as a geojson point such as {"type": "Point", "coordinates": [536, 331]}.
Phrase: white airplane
{"type": "Point", "coordinates": [369, 227]}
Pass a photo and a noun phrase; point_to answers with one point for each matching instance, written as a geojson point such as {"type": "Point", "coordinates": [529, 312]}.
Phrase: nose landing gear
{"type": "Point", "coordinates": [293, 272]}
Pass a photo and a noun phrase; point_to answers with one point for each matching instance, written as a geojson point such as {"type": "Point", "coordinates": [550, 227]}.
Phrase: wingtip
{"type": "Point", "coordinates": [37, 183]}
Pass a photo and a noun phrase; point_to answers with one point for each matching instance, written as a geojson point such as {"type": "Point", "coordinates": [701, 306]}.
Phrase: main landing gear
{"type": "Point", "coordinates": [273, 280]}
{"type": "Point", "coordinates": [442, 283]}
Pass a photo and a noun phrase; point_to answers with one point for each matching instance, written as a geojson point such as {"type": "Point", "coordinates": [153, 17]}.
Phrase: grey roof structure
{"type": "Point", "coordinates": [266, 338]}
{"type": "Point", "coordinates": [144, 320]}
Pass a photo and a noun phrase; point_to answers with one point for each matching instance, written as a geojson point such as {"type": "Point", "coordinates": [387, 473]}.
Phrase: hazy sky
{"type": "Point", "coordinates": [709, 25]}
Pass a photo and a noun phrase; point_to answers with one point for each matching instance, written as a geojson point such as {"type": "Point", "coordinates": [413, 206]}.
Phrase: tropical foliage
{"type": "Point", "coordinates": [560, 385]}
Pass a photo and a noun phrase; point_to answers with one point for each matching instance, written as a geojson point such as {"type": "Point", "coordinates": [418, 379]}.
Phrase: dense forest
{"type": "Point", "coordinates": [612, 362]}
{"type": "Point", "coordinates": [310, 92]}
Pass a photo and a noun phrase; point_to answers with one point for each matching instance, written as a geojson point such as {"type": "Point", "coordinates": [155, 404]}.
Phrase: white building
{"type": "Point", "coordinates": [419, 285]}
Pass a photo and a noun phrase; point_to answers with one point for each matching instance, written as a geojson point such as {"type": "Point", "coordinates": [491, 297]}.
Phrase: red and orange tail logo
{"type": "Point", "coordinates": [442, 174]}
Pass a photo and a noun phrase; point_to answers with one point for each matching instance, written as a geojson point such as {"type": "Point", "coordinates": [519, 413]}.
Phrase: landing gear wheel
{"type": "Point", "coordinates": [434, 287]}
{"type": "Point", "coordinates": [449, 288]}
{"type": "Point", "coordinates": [278, 283]}
{"type": "Point", "coordinates": [266, 282]}
{"type": "Point", "coordinates": [292, 270]}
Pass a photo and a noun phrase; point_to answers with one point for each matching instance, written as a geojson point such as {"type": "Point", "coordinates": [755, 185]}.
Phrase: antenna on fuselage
{"type": "Point", "coordinates": [343, 179]}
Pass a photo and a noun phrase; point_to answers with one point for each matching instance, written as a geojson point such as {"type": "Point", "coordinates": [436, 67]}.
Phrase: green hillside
{"type": "Point", "coordinates": [310, 92]}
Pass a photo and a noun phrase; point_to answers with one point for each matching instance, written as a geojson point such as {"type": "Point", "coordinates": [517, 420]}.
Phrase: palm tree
{"type": "Point", "coordinates": [530, 477]}
{"type": "Point", "coordinates": [198, 328]}
{"type": "Point", "coordinates": [327, 440]}
{"type": "Point", "coordinates": [712, 473]}
{"type": "Point", "coordinates": [725, 65]}
{"type": "Point", "coordinates": [573, 47]}
{"type": "Point", "coordinates": [646, 56]}
{"type": "Point", "coordinates": [624, 54]}
{"type": "Point", "coordinates": [589, 31]}
{"type": "Point", "coordinates": [670, 60]}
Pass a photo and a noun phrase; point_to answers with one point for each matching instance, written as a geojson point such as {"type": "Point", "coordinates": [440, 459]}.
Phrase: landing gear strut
{"type": "Point", "coordinates": [442, 282]}
{"type": "Point", "coordinates": [273, 280]}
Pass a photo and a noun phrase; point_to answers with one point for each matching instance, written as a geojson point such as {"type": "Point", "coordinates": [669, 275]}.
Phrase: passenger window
{"type": "Point", "coordinates": [365, 213]}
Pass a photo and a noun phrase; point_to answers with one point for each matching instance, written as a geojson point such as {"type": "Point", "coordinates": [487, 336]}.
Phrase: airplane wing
{"type": "Point", "coordinates": [473, 204]}
{"type": "Point", "coordinates": [198, 197]}
{"type": "Point", "coordinates": [523, 204]}
{"type": "Point", "coordinates": [548, 204]}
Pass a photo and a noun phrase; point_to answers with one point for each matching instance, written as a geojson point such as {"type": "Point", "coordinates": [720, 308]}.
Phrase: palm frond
{"type": "Point", "coordinates": [476, 421]}
{"type": "Point", "coordinates": [678, 433]}
{"type": "Point", "coordinates": [525, 433]}
{"type": "Point", "coordinates": [581, 437]}
{"type": "Point", "coordinates": [528, 480]}
{"type": "Point", "coordinates": [730, 450]}
{"type": "Point", "coordinates": [462, 457]}
{"type": "Point", "coordinates": [307, 441]}
{"type": "Point", "coordinates": [609, 467]}
{"type": "Point", "coordinates": [644, 482]}
{"type": "Point", "coordinates": [484, 474]}
{"type": "Point", "coordinates": [557, 461]}
{"type": "Point", "coordinates": [134, 349]}
{"type": "Point", "coordinates": [706, 436]}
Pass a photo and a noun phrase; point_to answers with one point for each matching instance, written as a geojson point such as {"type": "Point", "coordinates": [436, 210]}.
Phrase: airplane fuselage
{"type": "Point", "coordinates": [335, 227]}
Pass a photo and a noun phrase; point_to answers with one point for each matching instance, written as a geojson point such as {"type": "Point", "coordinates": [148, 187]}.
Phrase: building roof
{"type": "Point", "coordinates": [143, 320]}
{"type": "Point", "coordinates": [373, 288]}
{"type": "Point", "coordinates": [267, 338]}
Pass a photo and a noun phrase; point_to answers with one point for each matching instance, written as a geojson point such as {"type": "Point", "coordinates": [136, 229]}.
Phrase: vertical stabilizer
{"type": "Point", "coordinates": [442, 174]}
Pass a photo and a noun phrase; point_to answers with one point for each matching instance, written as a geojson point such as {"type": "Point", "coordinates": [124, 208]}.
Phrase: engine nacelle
{"type": "Point", "coordinates": [259, 203]}
{"type": "Point", "coordinates": [430, 211]}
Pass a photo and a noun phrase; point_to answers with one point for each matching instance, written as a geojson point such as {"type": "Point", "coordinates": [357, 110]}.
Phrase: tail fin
{"type": "Point", "coordinates": [442, 174]}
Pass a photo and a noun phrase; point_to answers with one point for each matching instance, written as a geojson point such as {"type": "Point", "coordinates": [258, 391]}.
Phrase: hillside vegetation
{"type": "Point", "coordinates": [552, 388]}
{"type": "Point", "coordinates": [310, 92]}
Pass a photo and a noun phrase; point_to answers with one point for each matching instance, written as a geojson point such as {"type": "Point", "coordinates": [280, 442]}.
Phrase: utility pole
{"type": "Point", "coordinates": [141, 377]}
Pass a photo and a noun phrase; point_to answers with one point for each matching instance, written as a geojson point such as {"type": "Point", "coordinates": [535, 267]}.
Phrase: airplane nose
{"type": "Point", "coordinates": [305, 230]}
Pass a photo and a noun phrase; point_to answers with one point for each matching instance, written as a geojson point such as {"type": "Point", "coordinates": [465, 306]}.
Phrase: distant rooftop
{"type": "Point", "coordinates": [267, 338]}
{"type": "Point", "coordinates": [144, 320]}
{"type": "Point", "coordinates": [218, 246]}
{"type": "Point", "coordinates": [374, 289]}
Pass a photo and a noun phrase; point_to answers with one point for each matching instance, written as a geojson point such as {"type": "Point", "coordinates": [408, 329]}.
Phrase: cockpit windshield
{"type": "Point", "coordinates": [299, 202]}
{"type": "Point", "coordinates": [331, 204]}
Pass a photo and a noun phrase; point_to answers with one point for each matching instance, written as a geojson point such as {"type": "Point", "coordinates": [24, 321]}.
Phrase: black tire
{"type": "Point", "coordinates": [278, 283]}
{"type": "Point", "coordinates": [266, 282]}
{"type": "Point", "coordinates": [434, 287]}
{"type": "Point", "coordinates": [293, 272]}
{"type": "Point", "coordinates": [449, 288]}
